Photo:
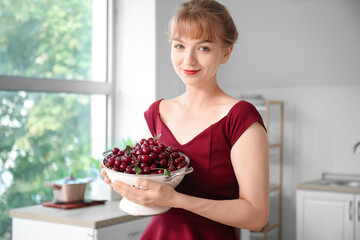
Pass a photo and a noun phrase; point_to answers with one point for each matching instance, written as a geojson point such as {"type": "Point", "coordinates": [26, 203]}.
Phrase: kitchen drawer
{"type": "Point", "coordinates": [131, 230]}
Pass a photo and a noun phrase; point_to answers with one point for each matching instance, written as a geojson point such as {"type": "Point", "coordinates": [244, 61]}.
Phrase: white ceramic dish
{"type": "Point", "coordinates": [130, 179]}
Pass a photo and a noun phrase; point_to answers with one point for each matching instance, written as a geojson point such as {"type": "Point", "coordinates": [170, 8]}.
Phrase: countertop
{"type": "Point", "coordinates": [92, 217]}
{"type": "Point", "coordinates": [314, 185]}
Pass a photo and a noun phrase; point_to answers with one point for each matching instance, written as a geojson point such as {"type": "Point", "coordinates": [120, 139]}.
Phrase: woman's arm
{"type": "Point", "coordinates": [249, 157]}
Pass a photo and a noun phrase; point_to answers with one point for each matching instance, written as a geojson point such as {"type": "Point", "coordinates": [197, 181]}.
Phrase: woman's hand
{"type": "Point", "coordinates": [103, 173]}
{"type": "Point", "coordinates": [151, 194]}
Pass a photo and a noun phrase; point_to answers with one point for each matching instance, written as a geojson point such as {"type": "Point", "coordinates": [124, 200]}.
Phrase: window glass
{"type": "Point", "coordinates": [53, 39]}
{"type": "Point", "coordinates": [44, 136]}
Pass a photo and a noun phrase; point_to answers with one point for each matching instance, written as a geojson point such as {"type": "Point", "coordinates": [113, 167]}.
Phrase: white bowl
{"type": "Point", "coordinates": [130, 179]}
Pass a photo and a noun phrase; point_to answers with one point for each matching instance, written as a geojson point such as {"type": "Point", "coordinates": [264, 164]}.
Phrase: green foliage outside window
{"type": "Point", "coordinates": [43, 136]}
{"type": "Point", "coordinates": [46, 38]}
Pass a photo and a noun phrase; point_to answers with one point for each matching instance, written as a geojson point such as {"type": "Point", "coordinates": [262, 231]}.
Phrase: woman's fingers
{"type": "Point", "coordinates": [145, 184]}
{"type": "Point", "coordinates": [103, 173]}
{"type": "Point", "coordinates": [149, 193]}
{"type": "Point", "coordinates": [129, 192]}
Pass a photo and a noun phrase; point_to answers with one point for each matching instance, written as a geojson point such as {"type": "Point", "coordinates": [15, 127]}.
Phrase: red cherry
{"type": "Point", "coordinates": [180, 166]}
{"type": "Point", "coordinates": [115, 150]}
{"type": "Point", "coordinates": [170, 149]}
{"type": "Point", "coordinates": [146, 170]}
{"type": "Point", "coordinates": [175, 155]}
{"type": "Point", "coordinates": [145, 158]}
{"type": "Point", "coordinates": [145, 150]}
{"type": "Point", "coordinates": [128, 169]}
{"type": "Point", "coordinates": [156, 149]}
{"type": "Point", "coordinates": [122, 167]}
{"type": "Point", "coordinates": [171, 168]}
{"type": "Point", "coordinates": [153, 166]}
{"type": "Point", "coordinates": [152, 155]}
{"type": "Point", "coordinates": [163, 162]}
{"type": "Point", "coordinates": [167, 154]}
{"type": "Point", "coordinates": [177, 161]}
{"type": "Point", "coordinates": [162, 146]}
{"type": "Point", "coordinates": [117, 162]}
{"type": "Point", "coordinates": [111, 161]}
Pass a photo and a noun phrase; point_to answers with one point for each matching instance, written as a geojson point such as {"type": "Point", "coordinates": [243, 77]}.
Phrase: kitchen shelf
{"type": "Point", "coordinates": [273, 113]}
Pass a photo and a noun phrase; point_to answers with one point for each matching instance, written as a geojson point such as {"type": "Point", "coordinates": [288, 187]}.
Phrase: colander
{"type": "Point", "coordinates": [130, 179]}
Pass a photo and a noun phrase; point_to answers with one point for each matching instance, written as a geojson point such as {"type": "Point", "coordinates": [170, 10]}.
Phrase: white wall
{"type": "Point", "coordinates": [135, 66]}
{"type": "Point", "coordinates": [292, 42]}
{"type": "Point", "coordinates": [306, 53]}
{"type": "Point", "coordinates": [168, 84]}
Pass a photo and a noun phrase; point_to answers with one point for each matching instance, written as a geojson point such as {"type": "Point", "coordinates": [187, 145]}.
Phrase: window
{"type": "Point", "coordinates": [55, 94]}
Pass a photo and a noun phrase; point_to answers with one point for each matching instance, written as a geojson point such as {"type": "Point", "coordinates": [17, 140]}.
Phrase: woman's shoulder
{"type": "Point", "coordinates": [155, 105]}
{"type": "Point", "coordinates": [167, 105]}
{"type": "Point", "coordinates": [243, 107]}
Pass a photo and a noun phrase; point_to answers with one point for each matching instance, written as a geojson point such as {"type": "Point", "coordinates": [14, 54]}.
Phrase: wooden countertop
{"type": "Point", "coordinates": [314, 185]}
{"type": "Point", "coordinates": [92, 217]}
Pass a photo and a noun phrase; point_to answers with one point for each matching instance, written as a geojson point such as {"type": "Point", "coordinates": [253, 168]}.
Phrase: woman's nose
{"type": "Point", "coordinates": [190, 58]}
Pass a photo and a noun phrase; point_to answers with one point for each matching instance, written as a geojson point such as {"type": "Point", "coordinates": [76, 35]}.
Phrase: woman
{"type": "Point", "coordinates": [224, 138]}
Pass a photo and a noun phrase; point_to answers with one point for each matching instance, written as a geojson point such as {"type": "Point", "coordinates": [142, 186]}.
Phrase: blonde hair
{"type": "Point", "coordinates": [205, 19]}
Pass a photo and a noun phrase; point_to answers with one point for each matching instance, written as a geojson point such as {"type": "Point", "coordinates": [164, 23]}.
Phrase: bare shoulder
{"type": "Point", "coordinates": [168, 105]}
{"type": "Point", "coordinates": [226, 103]}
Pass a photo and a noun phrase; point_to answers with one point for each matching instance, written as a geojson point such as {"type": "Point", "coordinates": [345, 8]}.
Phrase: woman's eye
{"type": "Point", "coordinates": [204, 49]}
{"type": "Point", "coordinates": [178, 46]}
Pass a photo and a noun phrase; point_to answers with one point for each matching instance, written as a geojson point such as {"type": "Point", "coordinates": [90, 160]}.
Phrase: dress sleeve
{"type": "Point", "coordinates": [242, 116]}
{"type": "Point", "coordinates": [151, 115]}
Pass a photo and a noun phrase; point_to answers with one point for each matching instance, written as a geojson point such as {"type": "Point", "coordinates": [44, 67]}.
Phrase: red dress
{"type": "Point", "coordinates": [213, 176]}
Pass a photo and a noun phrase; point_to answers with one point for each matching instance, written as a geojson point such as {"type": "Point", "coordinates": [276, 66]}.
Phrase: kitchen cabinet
{"type": "Point", "coordinates": [40, 230]}
{"type": "Point", "coordinates": [103, 222]}
{"type": "Point", "coordinates": [327, 215]}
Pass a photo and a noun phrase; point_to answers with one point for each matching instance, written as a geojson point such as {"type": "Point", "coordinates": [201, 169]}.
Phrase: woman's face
{"type": "Point", "coordinates": [196, 61]}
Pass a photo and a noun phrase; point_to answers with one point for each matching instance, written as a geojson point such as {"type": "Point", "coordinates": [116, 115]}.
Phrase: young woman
{"type": "Point", "coordinates": [224, 138]}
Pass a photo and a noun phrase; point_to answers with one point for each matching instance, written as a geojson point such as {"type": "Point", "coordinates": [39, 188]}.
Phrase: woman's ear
{"type": "Point", "coordinates": [227, 53]}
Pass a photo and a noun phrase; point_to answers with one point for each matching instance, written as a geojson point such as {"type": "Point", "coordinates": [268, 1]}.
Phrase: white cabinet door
{"type": "Point", "coordinates": [357, 217]}
{"type": "Point", "coordinates": [29, 229]}
{"type": "Point", "coordinates": [324, 215]}
{"type": "Point", "coordinates": [131, 230]}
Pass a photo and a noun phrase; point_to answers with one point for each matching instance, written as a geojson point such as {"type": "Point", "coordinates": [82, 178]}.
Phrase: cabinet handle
{"type": "Point", "coordinates": [350, 210]}
{"type": "Point", "coordinates": [358, 208]}
{"type": "Point", "coordinates": [135, 235]}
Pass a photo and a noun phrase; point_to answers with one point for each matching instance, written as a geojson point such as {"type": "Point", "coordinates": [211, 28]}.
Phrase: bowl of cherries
{"type": "Point", "coordinates": [148, 159]}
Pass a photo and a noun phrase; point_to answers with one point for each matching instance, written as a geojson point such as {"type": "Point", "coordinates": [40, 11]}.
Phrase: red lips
{"type": "Point", "coordinates": [190, 72]}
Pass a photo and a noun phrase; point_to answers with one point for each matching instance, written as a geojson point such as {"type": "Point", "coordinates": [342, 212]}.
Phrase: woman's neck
{"type": "Point", "coordinates": [197, 98]}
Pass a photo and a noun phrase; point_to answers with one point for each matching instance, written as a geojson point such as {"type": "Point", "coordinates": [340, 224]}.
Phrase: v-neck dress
{"type": "Point", "coordinates": [213, 176]}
